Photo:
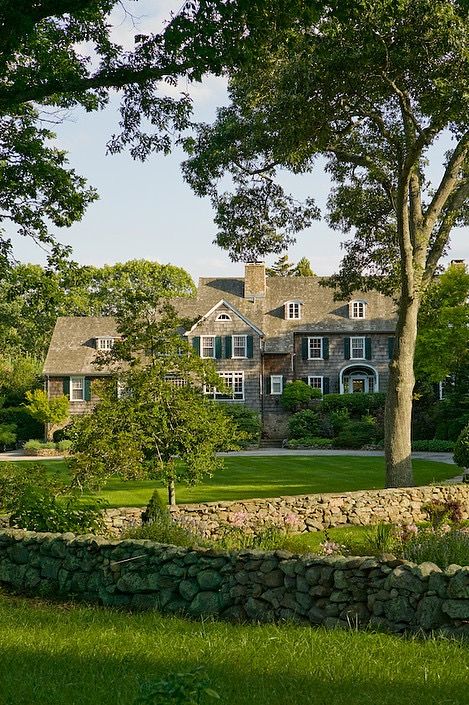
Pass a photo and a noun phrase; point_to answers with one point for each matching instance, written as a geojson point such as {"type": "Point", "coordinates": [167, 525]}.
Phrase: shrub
{"type": "Point", "coordinates": [461, 449]}
{"type": "Point", "coordinates": [440, 512]}
{"type": "Point", "coordinates": [158, 525]}
{"type": "Point", "coordinates": [63, 434]}
{"type": "Point", "coordinates": [436, 445]}
{"type": "Point", "coordinates": [357, 434]}
{"type": "Point", "coordinates": [40, 407]}
{"type": "Point", "coordinates": [356, 404]}
{"type": "Point", "coordinates": [36, 444]}
{"type": "Point", "coordinates": [63, 446]}
{"type": "Point", "coordinates": [303, 423]}
{"type": "Point", "coordinates": [191, 688]}
{"type": "Point", "coordinates": [247, 422]}
{"type": "Point", "coordinates": [7, 434]}
{"type": "Point", "coordinates": [311, 442]}
{"type": "Point", "coordinates": [443, 548]}
{"type": "Point", "coordinates": [339, 420]}
{"type": "Point", "coordinates": [26, 426]}
{"type": "Point", "coordinates": [39, 509]}
{"type": "Point", "coordinates": [297, 395]}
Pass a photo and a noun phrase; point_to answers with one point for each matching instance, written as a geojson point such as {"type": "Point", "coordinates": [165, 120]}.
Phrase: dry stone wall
{"type": "Point", "coordinates": [304, 513]}
{"type": "Point", "coordinates": [242, 586]}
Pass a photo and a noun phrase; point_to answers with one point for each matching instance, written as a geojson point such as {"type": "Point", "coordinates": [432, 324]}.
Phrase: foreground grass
{"type": "Point", "coordinates": [71, 655]}
{"type": "Point", "coordinates": [270, 476]}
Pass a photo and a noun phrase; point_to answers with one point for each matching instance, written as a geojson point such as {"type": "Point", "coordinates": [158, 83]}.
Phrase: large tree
{"type": "Point", "coordinates": [371, 88]}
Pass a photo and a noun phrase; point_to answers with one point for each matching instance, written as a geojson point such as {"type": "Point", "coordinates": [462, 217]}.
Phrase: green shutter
{"type": "Point", "coordinates": [196, 344]}
{"type": "Point", "coordinates": [87, 389]}
{"type": "Point", "coordinates": [304, 348]}
{"type": "Point", "coordinates": [391, 348]}
{"type": "Point", "coordinates": [66, 386]}
{"type": "Point", "coordinates": [249, 346]}
{"type": "Point", "coordinates": [325, 348]}
{"type": "Point", "coordinates": [347, 348]}
{"type": "Point", "coordinates": [218, 347]}
{"type": "Point", "coordinates": [268, 386]}
{"type": "Point", "coordinates": [305, 380]}
{"type": "Point", "coordinates": [325, 385]}
{"type": "Point", "coordinates": [368, 348]}
{"type": "Point", "coordinates": [228, 346]}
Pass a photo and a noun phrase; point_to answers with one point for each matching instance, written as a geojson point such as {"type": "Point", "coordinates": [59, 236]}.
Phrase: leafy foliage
{"type": "Point", "coordinates": [26, 426]}
{"type": "Point", "coordinates": [247, 422]}
{"type": "Point", "coordinates": [51, 411]}
{"type": "Point", "coordinates": [356, 404]}
{"type": "Point", "coordinates": [297, 395]}
{"type": "Point", "coordinates": [7, 434]}
{"type": "Point", "coordinates": [188, 688]}
{"type": "Point", "coordinates": [17, 376]}
{"type": "Point", "coordinates": [461, 449]}
{"type": "Point", "coordinates": [303, 423]}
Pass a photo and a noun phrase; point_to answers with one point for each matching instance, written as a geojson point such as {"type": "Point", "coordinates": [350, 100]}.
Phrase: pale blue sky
{"type": "Point", "coordinates": [147, 211]}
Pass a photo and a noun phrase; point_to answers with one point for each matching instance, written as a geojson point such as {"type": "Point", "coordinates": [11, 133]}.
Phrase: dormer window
{"type": "Point", "coordinates": [357, 309]}
{"type": "Point", "coordinates": [223, 317]}
{"type": "Point", "coordinates": [105, 343]}
{"type": "Point", "coordinates": [293, 310]}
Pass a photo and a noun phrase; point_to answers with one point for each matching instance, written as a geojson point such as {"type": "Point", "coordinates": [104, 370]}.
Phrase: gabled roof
{"type": "Point", "coordinates": [72, 349]}
{"type": "Point", "coordinates": [233, 309]}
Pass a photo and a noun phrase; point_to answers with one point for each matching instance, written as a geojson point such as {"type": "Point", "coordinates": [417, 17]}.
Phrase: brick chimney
{"type": "Point", "coordinates": [457, 263]}
{"type": "Point", "coordinates": [254, 280]}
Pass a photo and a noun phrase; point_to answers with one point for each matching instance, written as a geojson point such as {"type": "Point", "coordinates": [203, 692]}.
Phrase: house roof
{"type": "Point", "coordinates": [72, 350]}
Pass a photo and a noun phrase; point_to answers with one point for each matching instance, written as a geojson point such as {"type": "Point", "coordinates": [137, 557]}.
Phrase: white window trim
{"type": "Point", "coordinates": [358, 337]}
{"type": "Point", "coordinates": [287, 305]}
{"type": "Point", "coordinates": [352, 305]}
{"type": "Point", "coordinates": [316, 337]}
{"type": "Point", "coordinates": [105, 339]}
{"type": "Point", "coordinates": [239, 357]}
{"type": "Point", "coordinates": [223, 317]}
{"type": "Point", "coordinates": [75, 378]}
{"type": "Point", "coordinates": [321, 377]}
{"type": "Point", "coordinates": [212, 391]}
{"type": "Point", "coordinates": [277, 378]}
{"type": "Point", "coordinates": [206, 337]}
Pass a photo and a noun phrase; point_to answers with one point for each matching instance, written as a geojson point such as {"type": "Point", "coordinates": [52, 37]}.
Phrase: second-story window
{"type": "Point", "coordinates": [77, 388]}
{"type": "Point", "coordinates": [207, 346]}
{"type": "Point", "coordinates": [105, 343]}
{"type": "Point", "coordinates": [357, 309]}
{"type": "Point", "coordinates": [315, 348]}
{"type": "Point", "coordinates": [239, 346]}
{"type": "Point", "coordinates": [357, 348]}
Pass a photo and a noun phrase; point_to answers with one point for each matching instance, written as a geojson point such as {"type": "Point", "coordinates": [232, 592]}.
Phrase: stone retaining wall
{"type": "Point", "coordinates": [244, 586]}
{"type": "Point", "coordinates": [306, 512]}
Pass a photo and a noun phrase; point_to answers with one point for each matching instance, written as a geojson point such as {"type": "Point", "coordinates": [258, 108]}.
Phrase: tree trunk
{"type": "Point", "coordinates": [171, 493]}
{"type": "Point", "coordinates": [398, 410]}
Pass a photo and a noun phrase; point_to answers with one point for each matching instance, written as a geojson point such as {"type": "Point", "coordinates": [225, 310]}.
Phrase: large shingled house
{"type": "Point", "coordinates": [262, 332]}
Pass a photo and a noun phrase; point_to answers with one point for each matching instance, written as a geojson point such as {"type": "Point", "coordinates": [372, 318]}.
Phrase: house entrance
{"type": "Point", "coordinates": [358, 380]}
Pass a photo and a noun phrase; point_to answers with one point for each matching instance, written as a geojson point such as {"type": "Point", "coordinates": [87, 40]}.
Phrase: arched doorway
{"type": "Point", "coordinates": [358, 379]}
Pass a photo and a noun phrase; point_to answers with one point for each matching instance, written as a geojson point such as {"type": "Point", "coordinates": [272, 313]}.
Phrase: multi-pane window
{"type": "Point", "coordinates": [207, 346]}
{"type": "Point", "coordinates": [175, 380]}
{"type": "Point", "coordinates": [239, 345]}
{"type": "Point", "coordinates": [357, 348]}
{"type": "Point", "coordinates": [276, 384]}
{"type": "Point", "coordinates": [315, 348]}
{"type": "Point", "coordinates": [223, 317]}
{"type": "Point", "coordinates": [77, 388]}
{"type": "Point", "coordinates": [358, 309]}
{"type": "Point", "coordinates": [293, 309]}
{"type": "Point", "coordinates": [234, 381]}
{"type": "Point", "coordinates": [315, 382]}
{"type": "Point", "coordinates": [105, 343]}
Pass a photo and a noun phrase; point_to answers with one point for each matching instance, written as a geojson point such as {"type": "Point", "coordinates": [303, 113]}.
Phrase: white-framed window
{"type": "Point", "coordinates": [357, 309]}
{"type": "Point", "coordinates": [175, 380]}
{"type": "Point", "coordinates": [315, 349]}
{"type": "Point", "coordinates": [207, 346]}
{"type": "Point", "coordinates": [316, 383]}
{"type": "Point", "coordinates": [223, 317]}
{"type": "Point", "coordinates": [357, 348]}
{"type": "Point", "coordinates": [293, 310]}
{"type": "Point", "coordinates": [77, 388]}
{"type": "Point", "coordinates": [240, 346]}
{"type": "Point", "coordinates": [276, 384]}
{"type": "Point", "coordinates": [104, 343]}
{"type": "Point", "coordinates": [233, 380]}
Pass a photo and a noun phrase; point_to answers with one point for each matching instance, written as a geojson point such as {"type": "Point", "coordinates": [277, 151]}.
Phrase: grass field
{"type": "Point", "coordinates": [271, 476]}
{"type": "Point", "coordinates": [71, 655]}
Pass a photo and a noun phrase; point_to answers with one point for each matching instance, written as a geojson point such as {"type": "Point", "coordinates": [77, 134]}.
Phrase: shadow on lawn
{"type": "Point", "coordinates": [39, 676]}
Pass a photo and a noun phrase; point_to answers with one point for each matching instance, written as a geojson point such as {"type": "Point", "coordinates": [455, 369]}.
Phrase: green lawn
{"type": "Point", "coordinates": [272, 476]}
{"type": "Point", "coordinates": [74, 655]}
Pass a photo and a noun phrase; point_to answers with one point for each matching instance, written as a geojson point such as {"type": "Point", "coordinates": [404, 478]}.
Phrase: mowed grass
{"type": "Point", "coordinates": [54, 654]}
{"type": "Point", "coordinates": [246, 477]}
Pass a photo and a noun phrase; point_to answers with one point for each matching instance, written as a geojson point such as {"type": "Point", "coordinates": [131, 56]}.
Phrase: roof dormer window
{"type": "Point", "coordinates": [357, 309]}
{"type": "Point", "coordinates": [293, 310]}
{"type": "Point", "coordinates": [104, 343]}
{"type": "Point", "coordinates": [223, 317]}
